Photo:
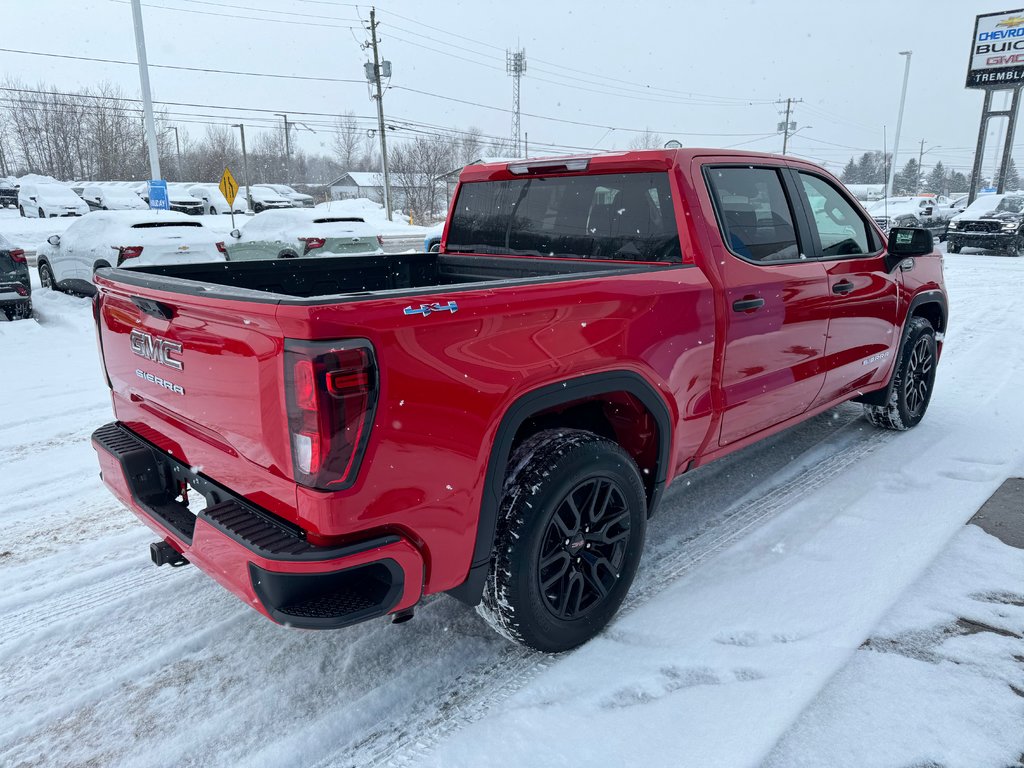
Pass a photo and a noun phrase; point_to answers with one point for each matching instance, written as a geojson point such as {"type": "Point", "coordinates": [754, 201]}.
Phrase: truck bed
{"type": "Point", "coordinates": [311, 280]}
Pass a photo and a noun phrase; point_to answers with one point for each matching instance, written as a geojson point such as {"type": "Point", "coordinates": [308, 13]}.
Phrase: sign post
{"type": "Point", "coordinates": [229, 188]}
{"type": "Point", "coordinates": [158, 198]}
{"type": "Point", "coordinates": [996, 64]}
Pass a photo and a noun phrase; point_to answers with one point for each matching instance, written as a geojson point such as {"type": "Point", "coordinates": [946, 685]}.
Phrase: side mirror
{"type": "Point", "coordinates": [235, 233]}
{"type": "Point", "coordinates": [905, 242]}
{"type": "Point", "coordinates": [927, 211]}
{"type": "Point", "coordinates": [53, 240]}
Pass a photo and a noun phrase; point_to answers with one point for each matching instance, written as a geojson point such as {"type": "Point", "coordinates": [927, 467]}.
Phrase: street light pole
{"type": "Point", "coordinates": [245, 167]}
{"type": "Point", "coordinates": [287, 150]}
{"type": "Point", "coordinates": [147, 97]}
{"type": "Point", "coordinates": [899, 122]}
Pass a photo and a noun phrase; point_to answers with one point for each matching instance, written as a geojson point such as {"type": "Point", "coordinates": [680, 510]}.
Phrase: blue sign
{"type": "Point", "coordinates": [158, 195]}
{"type": "Point", "coordinates": [988, 190]}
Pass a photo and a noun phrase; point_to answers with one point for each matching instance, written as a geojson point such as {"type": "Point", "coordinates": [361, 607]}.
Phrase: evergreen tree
{"type": "Point", "coordinates": [1012, 183]}
{"type": "Point", "coordinates": [906, 181]}
{"type": "Point", "coordinates": [938, 181]}
{"type": "Point", "coordinates": [958, 183]}
{"type": "Point", "coordinates": [851, 173]}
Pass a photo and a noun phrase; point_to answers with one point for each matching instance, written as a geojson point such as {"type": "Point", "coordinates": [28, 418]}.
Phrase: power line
{"type": "Point", "coordinates": [236, 17]}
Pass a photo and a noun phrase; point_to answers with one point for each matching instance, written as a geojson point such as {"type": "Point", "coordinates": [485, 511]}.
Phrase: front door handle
{"type": "Point", "coordinates": [746, 305]}
{"type": "Point", "coordinates": [843, 286]}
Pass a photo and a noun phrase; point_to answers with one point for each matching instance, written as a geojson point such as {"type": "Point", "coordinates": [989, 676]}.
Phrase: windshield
{"type": "Point", "coordinates": [990, 203]}
{"type": "Point", "coordinates": [116, 193]}
{"type": "Point", "coordinates": [1011, 204]}
{"type": "Point", "coordinates": [63, 194]}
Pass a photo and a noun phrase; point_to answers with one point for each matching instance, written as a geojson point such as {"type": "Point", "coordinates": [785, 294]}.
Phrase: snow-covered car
{"type": "Point", "coordinates": [292, 232]}
{"type": "Point", "coordinates": [299, 200]}
{"type": "Point", "coordinates": [992, 222]}
{"type": "Point", "coordinates": [123, 239]}
{"type": "Point", "coordinates": [180, 198]}
{"type": "Point", "coordinates": [15, 286]}
{"type": "Point", "coordinates": [432, 240]}
{"type": "Point", "coordinates": [45, 201]}
{"type": "Point", "coordinates": [214, 201]}
{"type": "Point", "coordinates": [397, 236]}
{"type": "Point", "coordinates": [912, 211]}
{"type": "Point", "coordinates": [264, 198]}
{"type": "Point", "coordinates": [108, 197]}
{"type": "Point", "coordinates": [8, 192]}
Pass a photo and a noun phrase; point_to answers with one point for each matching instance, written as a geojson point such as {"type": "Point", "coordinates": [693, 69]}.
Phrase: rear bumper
{"type": "Point", "coordinates": [265, 561]}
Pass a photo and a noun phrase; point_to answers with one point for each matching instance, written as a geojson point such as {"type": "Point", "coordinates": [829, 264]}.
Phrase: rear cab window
{"type": "Point", "coordinates": [624, 216]}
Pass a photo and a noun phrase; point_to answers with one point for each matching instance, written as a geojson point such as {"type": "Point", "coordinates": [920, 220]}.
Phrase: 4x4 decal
{"type": "Point", "coordinates": [426, 309]}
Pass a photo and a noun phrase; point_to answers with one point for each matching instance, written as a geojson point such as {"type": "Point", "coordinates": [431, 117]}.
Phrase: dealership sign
{"type": "Point", "coordinates": [997, 51]}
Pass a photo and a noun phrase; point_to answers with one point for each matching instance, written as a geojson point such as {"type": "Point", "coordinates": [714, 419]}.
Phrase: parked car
{"type": "Point", "coordinates": [913, 211]}
{"type": "Point", "coordinates": [288, 233]}
{"type": "Point", "coordinates": [8, 192]}
{"type": "Point", "coordinates": [123, 238]}
{"type": "Point", "coordinates": [181, 200]}
{"type": "Point", "coordinates": [15, 286]}
{"type": "Point", "coordinates": [214, 202]}
{"type": "Point", "coordinates": [499, 421]}
{"type": "Point", "coordinates": [992, 222]}
{"type": "Point", "coordinates": [299, 199]}
{"type": "Point", "coordinates": [109, 197]}
{"type": "Point", "coordinates": [45, 201]}
{"type": "Point", "coordinates": [432, 241]}
{"type": "Point", "coordinates": [264, 198]}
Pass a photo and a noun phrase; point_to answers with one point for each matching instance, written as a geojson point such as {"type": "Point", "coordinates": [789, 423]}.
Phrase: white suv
{"type": "Point", "coordinates": [47, 200]}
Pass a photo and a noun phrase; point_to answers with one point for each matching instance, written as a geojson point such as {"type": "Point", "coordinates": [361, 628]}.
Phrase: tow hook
{"type": "Point", "coordinates": [164, 554]}
{"type": "Point", "coordinates": [402, 616]}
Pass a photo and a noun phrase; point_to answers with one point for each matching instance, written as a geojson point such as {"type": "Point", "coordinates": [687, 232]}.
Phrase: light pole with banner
{"type": "Point", "coordinates": [996, 64]}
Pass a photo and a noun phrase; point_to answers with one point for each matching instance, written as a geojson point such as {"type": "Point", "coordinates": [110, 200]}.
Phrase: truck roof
{"type": "Point", "coordinates": [626, 161]}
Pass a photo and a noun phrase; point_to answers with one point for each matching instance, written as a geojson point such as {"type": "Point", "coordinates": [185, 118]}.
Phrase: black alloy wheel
{"type": "Point", "coordinates": [920, 375]}
{"type": "Point", "coordinates": [42, 214]}
{"type": "Point", "coordinates": [913, 380]}
{"type": "Point", "coordinates": [570, 534]}
{"type": "Point", "coordinates": [46, 277]}
{"type": "Point", "coordinates": [584, 548]}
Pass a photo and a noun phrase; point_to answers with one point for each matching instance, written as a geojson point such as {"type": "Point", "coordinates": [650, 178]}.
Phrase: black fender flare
{"type": "Point", "coordinates": [529, 404]}
{"type": "Point", "coordinates": [881, 396]}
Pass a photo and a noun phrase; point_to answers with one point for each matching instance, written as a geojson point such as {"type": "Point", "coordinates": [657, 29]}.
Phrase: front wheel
{"type": "Point", "coordinates": [953, 248]}
{"type": "Point", "coordinates": [213, 211]}
{"type": "Point", "coordinates": [42, 214]}
{"type": "Point", "coordinates": [1014, 249]}
{"type": "Point", "coordinates": [913, 382]}
{"type": "Point", "coordinates": [570, 535]}
{"type": "Point", "coordinates": [46, 277]}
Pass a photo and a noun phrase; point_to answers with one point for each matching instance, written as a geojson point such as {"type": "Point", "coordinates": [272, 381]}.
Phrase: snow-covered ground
{"type": "Point", "coordinates": [798, 604]}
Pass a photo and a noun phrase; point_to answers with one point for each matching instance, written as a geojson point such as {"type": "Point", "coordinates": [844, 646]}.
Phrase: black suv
{"type": "Point", "coordinates": [8, 192]}
{"type": "Point", "coordinates": [995, 223]}
{"type": "Point", "coordinates": [15, 288]}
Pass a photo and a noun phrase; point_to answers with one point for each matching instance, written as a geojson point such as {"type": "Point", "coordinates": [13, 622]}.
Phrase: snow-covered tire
{"type": "Point", "coordinates": [913, 383]}
{"type": "Point", "coordinates": [46, 278]}
{"type": "Point", "coordinates": [569, 538]}
{"type": "Point", "coordinates": [953, 248]}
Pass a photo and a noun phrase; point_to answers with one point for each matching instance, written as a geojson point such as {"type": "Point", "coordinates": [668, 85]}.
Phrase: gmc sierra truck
{"type": "Point", "coordinates": [332, 439]}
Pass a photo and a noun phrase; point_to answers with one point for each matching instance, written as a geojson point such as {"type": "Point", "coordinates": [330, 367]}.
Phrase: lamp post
{"type": "Point", "coordinates": [177, 146]}
{"type": "Point", "coordinates": [899, 123]}
{"type": "Point", "coordinates": [245, 167]}
{"type": "Point", "coordinates": [920, 168]}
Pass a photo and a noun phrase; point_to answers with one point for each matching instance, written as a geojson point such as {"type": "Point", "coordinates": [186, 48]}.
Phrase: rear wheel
{"type": "Point", "coordinates": [913, 383]}
{"type": "Point", "coordinates": [42, 214]}
{"type": "Point", "coordinates": [21, 210]}
{"type": "Point", "coordinates": [570, 534]}
{"type": "Point", "coordinates": [213, 211]}
{"type": "Point", "coordinates": [953, 248]}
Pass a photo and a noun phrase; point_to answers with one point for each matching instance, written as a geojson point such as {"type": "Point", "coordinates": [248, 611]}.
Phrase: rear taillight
{"type": "Point", "coordinates": [312, 243]}
{"type": "Point", "coordinates": [126, 252]}
{"type": "Point", "coordinates": [18, 255]}
{"type": "Point", "coordinates": [20, 289]}
{"type": "Point", "coordinates": [380, 240]}
{"type": "Point", "coordinates": [331, 391]}
{"type": "Point", "coordinates": [222, 249]}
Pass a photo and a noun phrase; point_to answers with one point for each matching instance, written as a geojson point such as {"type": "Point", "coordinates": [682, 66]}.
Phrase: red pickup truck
{"type": "Point", "coordinates": [333, 438]}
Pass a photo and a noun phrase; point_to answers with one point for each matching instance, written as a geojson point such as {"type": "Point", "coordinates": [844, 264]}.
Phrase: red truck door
{"type": "Point", "coordinates": [776, 299]}
{"type": "Point", "coordinates": [862, 331]}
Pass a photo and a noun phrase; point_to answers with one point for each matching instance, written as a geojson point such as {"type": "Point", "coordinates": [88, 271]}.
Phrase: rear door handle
{"type": "Point", "coordinates": [746, 305]}
{"type": "Point", "coordinates": [843, 286]}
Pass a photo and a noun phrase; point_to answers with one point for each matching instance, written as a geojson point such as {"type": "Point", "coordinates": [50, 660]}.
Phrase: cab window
{"type": "Point", "coordinates": [842, 232]}
{"type": "Point", "coordinates": [754, 214]}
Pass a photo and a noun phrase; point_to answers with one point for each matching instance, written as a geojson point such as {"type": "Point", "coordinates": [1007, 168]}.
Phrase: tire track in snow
{"type": "Point", "coordinates": [472, 695]}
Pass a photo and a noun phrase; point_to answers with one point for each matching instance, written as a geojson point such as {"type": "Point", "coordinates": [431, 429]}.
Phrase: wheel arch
{"type": "Point", "coordinates": [930, 305]}
{"type": "Point", "coordinates": [574, 404]}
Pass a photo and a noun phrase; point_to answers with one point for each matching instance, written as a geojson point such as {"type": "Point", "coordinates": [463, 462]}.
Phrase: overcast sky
{"type": "Point", "coordinates": [705, 73]}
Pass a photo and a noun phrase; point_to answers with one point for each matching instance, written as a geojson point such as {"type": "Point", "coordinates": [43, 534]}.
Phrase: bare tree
{"type": "Point", "coordinates": [647, 140]}
{"type": "Point", "coordinates": [347, 141]}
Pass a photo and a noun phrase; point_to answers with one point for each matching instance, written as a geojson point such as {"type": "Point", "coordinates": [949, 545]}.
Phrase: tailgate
{"type": "Point", "coordinates": [201, 378]}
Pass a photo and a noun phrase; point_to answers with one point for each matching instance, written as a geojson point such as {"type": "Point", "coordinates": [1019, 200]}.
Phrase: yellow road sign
{"type": "Point", "coordinates": [228, 187]}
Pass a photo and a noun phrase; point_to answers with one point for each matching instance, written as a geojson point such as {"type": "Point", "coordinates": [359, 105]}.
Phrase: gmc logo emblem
{"type": "Point", "coordinates": [157, 350]}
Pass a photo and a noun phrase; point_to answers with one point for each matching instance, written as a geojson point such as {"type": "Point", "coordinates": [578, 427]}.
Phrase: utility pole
{"type": "Point", "coordinates": [287, 150]}
{"type": "Point", "coordinates": [177, 147]}
{"type": "Point", "coordinates": [515, 65]}
{"type": "Point", "coordinates": [920, 158]}
{"type": "Point", "coordinates": [899, 123]}
{"type": "Point", "coordinates": [526, 145]}
{"type": "Point", "coordinates": [787, 127]}
{"type": "Point", "coordinates": [380, 109]}
{"type": "Point", "coordinates": [245, 168]}
{"type": "Point", "coordinates": [147, 97]}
